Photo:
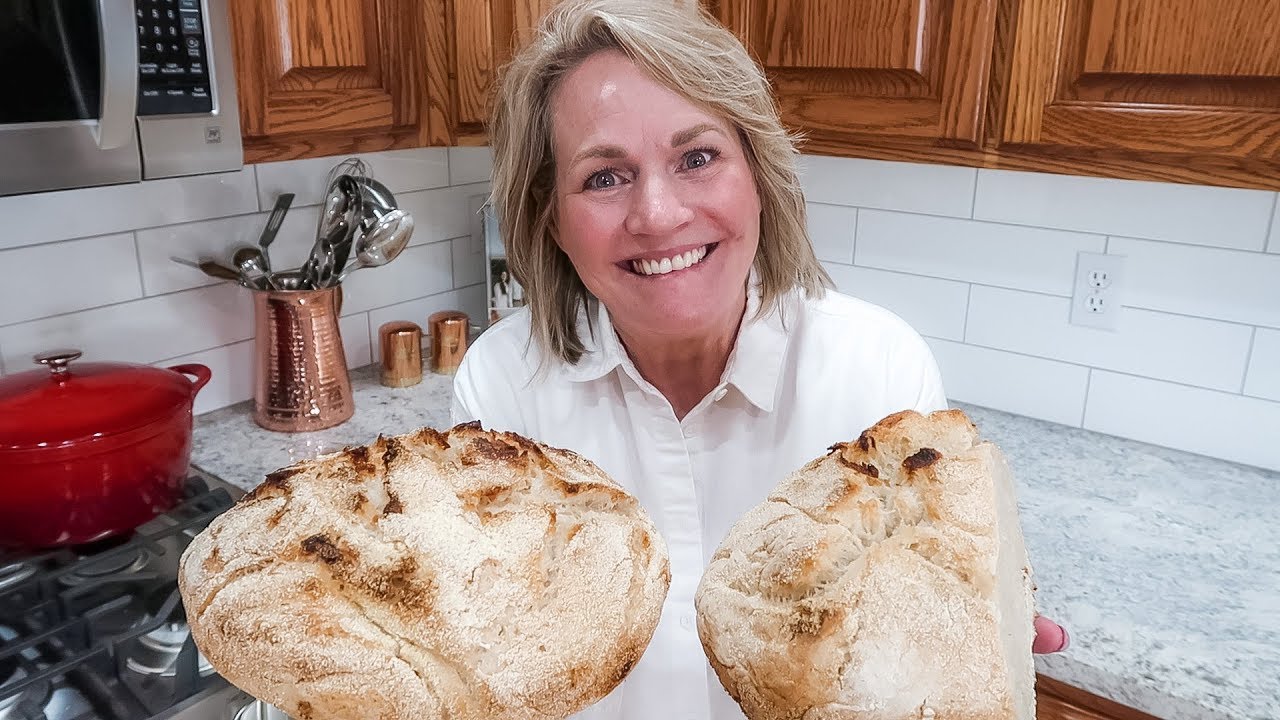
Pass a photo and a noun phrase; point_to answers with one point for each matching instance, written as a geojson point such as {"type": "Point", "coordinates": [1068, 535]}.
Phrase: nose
{"type": "Point", "coordinates": [657, 207]}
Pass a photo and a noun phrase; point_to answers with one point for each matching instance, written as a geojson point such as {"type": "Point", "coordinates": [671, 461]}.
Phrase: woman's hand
{"type": "Point", "coordinates": [1050, 637]}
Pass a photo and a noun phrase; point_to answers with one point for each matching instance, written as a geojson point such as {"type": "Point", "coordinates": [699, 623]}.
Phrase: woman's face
{"type": "Point", "coordinates": [656, 204]}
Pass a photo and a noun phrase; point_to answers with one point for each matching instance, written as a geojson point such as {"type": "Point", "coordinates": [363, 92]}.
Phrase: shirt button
{"type": "Point", "coordinates": [720, 394]}
{"type": "Point", "coordinates": [686, 621]}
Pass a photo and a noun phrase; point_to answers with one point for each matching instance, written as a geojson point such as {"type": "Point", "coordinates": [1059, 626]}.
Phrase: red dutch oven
{"type": "Point", "coordinates": [91, 449]}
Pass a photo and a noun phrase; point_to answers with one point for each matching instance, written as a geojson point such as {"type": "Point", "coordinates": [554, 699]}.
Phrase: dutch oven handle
{"type": "Point", "coordinates": [201, 373]}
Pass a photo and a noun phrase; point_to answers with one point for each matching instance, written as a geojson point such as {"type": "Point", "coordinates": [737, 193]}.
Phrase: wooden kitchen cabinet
{"type": "Point", "coordinates": [1172, 90]}
{"type": "Point", "coordinates": [484, 35]}
{"type": "Point", "coordinates": [858, 72]}
{"type": "Point", "coordinates": [333, 77]}
{"type": "Point", "coordinates": [1163, 76]}
{"type": "Point", "coordinates": [1058, 701]}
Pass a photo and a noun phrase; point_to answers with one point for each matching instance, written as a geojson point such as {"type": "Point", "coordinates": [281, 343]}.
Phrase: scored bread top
{"type": "Point", "coordinates": [866, 585]}
{"type": "Point", "coordinates": [466, 574]}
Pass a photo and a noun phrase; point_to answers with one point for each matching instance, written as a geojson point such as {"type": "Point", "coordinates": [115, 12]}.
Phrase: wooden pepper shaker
{"type": "Point", "coordinates": [449, 329]}
{"type": "Point", "coordinates": [401, 343]}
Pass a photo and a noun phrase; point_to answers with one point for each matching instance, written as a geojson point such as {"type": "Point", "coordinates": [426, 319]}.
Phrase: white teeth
{"type": "Point", "coordinates": [669, 264]}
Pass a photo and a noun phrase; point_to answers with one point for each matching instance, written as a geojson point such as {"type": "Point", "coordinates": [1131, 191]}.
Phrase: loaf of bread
{"type": "Point", "coordinates": [886, 580]}
{"type": "Point", "coordinates": [461, 575]}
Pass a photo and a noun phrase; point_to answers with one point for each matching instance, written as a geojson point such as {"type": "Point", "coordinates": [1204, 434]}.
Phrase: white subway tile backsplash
{"type": "Point", "coordinates": [355, 339]}
{"type": "Point", "coordinates": [933, 307]}
{"type": "Point", "coordinates": [1274, 244]}
{"type": "Point", "coordinates": [400, 170]}
{"type": "Point", "coordinates": [63, 215]}
{"type": "Point", "coordinates": [468, 260]}
{"type": "Point", "coordinates": [1034, 387]}
{"type": "Point", "coordinates": [831, 228]}
{"type": "Point", "coordinates": [1227, 285]}
{"type": "Point", "coordinates": [1264, 366]}
{"type": "Point", "coordinates": [232, 368]}
{"type": "Point", "coordinates": [441, 214]}
{"type": "Point", "coordinates": [98, 276]}
{"type": "Point", "coordinates": [218, 239]}
{"type": "Point", "coordinates": [418, 272]}
{"type": "Point", "coordinates": [1200, 215]}
{"type": "Point", "coordinates": [910, 187]}
{"type": "Point", "coordinates": [1012, 256]}
{"type": "Point", "coordinates": [67, 276]}
{"type": "Point", "coordinates": [1233, 427]}
{"type": "Point", "coordinates": [144, 330]}
{"type": "Point", "coordinates": [470, 165]}
{"type": "Point", "coordinates": [470, 300]}
{"type": "Point", "coordinates": [1170, 347]}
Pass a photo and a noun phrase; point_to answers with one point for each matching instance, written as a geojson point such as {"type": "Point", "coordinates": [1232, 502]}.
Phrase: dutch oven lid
{"type": "Point", "coordinates": [68, 404]}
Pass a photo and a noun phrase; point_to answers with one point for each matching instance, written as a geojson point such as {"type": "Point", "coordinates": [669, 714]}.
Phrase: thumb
{"type": "Point", "coordinates": [1050, 637]}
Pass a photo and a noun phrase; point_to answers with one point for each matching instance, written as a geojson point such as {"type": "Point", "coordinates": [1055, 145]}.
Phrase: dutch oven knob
{"type": "Point", "coordinates": [57, 360]}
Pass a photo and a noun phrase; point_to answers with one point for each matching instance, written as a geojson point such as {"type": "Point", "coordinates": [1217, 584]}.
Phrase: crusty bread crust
{"type": "Point", "coordinates": [459, 575]}
{"type": "Point", "coordinates": [886, 580]}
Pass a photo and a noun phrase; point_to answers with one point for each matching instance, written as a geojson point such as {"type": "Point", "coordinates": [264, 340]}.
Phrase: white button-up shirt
{"type": "Point", "coordinates": [810, 374]}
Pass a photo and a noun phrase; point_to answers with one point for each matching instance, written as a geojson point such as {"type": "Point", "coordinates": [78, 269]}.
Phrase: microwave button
{"type": "Point", "coordinates": [193, 46]}
{"type": "Point", "coordinates": [197, 68]}
{"type": "Point", "coordinates": [159, 47]}
{"type": "Point", "coordinates": [200, 92]}
{"type": "Point", "coordinates": [155, 14]}
{"type": "Point", "coordinates": [148, 68]}
{"type": "Point", "coordinates": [191, 24]}
{"type": "Point", "coordinates": [176, 92]}
{"type": "Point", "coordinates": [173, 69]}
{"type": "Point", "coordinates": [150, 93]}
{"type": "Point", "coordinates": [175, 48]}
{"type": "Point", "coordinates": [157, 30]}
{"type": "Point", "coordinates": [189, 4]}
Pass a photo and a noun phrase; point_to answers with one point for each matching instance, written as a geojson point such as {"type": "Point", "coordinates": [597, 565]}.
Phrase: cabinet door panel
{"type": "Point", "coordinates": [329, 77]}
{"type": "Point", "coordinates": [1148, 75]}
{"type": "Point", "coordinates": [888, 68]}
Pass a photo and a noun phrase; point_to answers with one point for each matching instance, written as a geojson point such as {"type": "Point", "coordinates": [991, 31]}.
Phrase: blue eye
{"type": "Point", "coordinates": [602, 180]}
{"type": "Point", "coordinates": [701, 157]}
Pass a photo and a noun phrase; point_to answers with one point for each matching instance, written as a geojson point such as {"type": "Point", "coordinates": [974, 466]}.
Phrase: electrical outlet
{"type": "Point", "coordinates": [1096, 300]}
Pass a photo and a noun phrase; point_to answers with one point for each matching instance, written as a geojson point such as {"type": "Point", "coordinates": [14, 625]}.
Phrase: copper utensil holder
{"type": "Point", "coordinates": [449, 331]}
{"type": "Point", "coordinates": [300, 376]}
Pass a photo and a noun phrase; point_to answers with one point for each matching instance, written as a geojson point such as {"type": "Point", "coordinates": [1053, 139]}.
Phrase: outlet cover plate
{"type": "Point", "coordinates": [1097, 296]}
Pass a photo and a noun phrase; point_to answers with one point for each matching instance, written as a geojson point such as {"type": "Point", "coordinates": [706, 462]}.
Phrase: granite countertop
{"type": "Point", "coordinates": [1164, 566]}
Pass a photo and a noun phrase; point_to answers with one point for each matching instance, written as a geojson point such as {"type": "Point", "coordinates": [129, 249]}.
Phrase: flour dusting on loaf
{"type": "Point", "coordinates": [461, 575]}
{"type": "Point", "coordinates": [886, 580]}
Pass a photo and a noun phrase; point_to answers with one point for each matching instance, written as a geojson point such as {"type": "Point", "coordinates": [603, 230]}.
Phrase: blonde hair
{"type": "Point", "coordinates": [688, 51]}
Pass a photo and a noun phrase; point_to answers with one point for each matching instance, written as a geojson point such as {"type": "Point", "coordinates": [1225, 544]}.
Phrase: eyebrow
{"type": "Point", "coordinates": [616, 152]}
{"type": "Point", "coordinates": [686, 136]}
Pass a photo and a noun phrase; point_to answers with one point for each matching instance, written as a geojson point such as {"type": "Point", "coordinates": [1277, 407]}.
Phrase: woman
{"type": "Point", "coordinates": [680, 332]}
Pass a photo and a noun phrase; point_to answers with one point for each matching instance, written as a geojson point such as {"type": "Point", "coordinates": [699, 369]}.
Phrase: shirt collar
{"type": "Point", "coordinates": [754, 367]}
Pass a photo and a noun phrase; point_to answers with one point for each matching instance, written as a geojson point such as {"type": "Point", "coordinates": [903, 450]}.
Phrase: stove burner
{"type": "Point", "coordinates": [157, 652]}
{"type": "Point", "coordinates": [258, 710]}
{"type": "Point", "coordinates": [23, 703]}
{"type": "Point", "coordinates": [14, 573]}
{"type": "Point", "coordinates": [124, 563]}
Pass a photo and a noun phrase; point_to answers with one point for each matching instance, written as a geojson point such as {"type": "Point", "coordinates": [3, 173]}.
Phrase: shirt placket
{"type": "Point", "coordinates": [682, 526]}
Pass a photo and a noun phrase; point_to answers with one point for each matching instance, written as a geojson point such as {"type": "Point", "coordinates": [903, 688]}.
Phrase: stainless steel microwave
{"type": "Point", "coordinates": [98, 92]}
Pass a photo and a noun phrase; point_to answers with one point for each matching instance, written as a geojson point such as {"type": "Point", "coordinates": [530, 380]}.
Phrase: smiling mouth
{"type": "Point", "coordinates": [671, 264]}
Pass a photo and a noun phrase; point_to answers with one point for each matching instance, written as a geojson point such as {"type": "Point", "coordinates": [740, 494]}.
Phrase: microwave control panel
{"type": "Point", "coordinates": [173, 69]}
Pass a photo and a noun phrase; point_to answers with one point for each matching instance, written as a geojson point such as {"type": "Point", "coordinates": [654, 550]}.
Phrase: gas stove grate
{"type": "Point", "coordinates": [99, 633]}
